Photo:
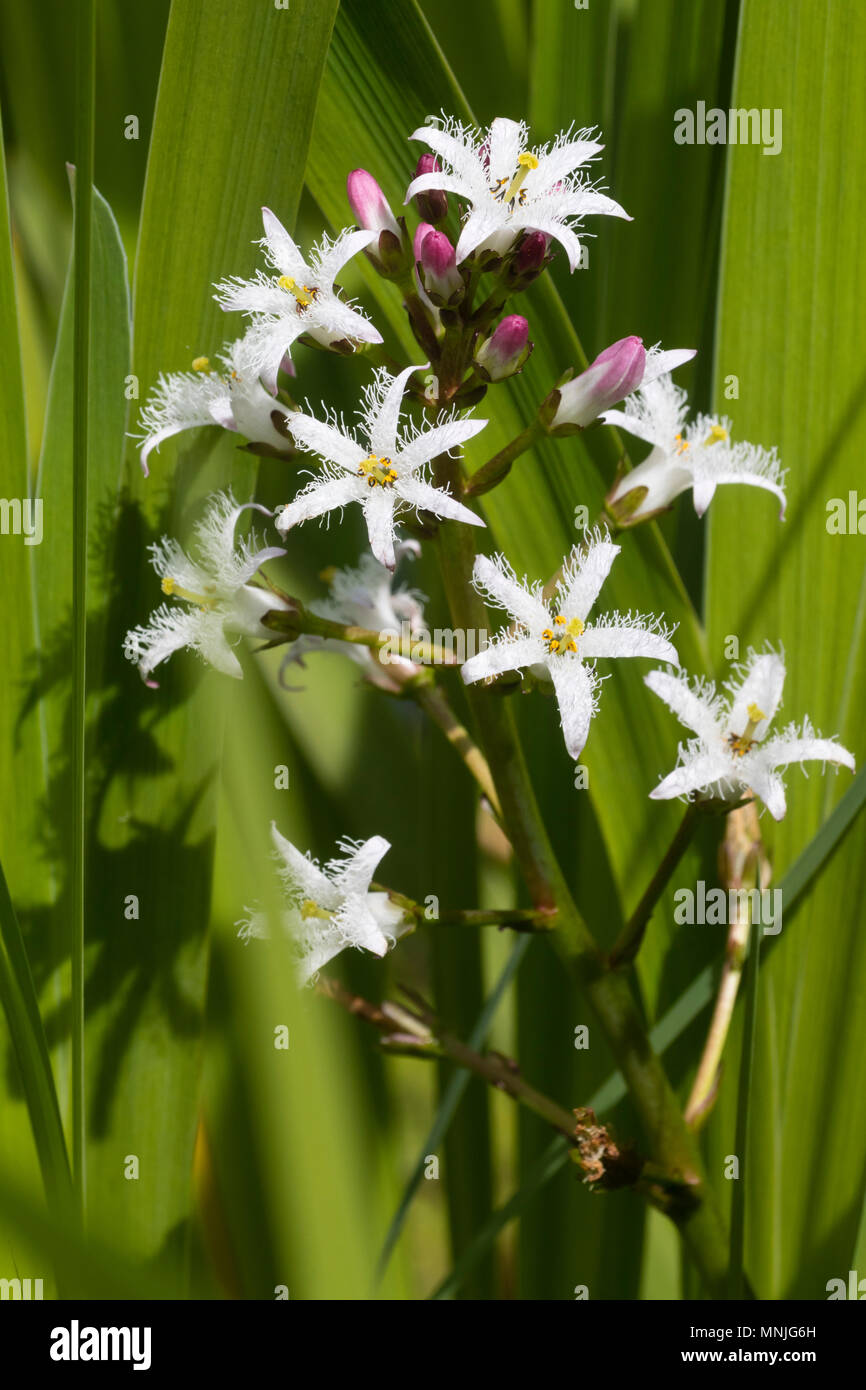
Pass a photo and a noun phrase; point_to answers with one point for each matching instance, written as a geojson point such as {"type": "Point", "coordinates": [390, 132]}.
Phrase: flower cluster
{"type": "Point", "coordinates": [493, 208]}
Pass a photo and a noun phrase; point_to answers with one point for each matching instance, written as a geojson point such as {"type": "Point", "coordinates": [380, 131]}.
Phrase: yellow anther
{"type": "Point", "coordinates": [525, 162]}
{"type": "Point", "coordinates": [755, 714]}
{"type": "Point", "coordinates": [201, 364]}
{"type": "Point", "coordinates": [303, 294]}
{"type": "Point", "coordinates": [717, 434]}
{"type": "Point", "coordinates": [379, 472]}
{"type": "Point", "coordinates": [682, 444]}
{"type": "Point", "coordinates": [171, 586]}
{"type": "Point", "coordinates": [563, 641]}
{"type": "Point", "coordinates": [311, 909]}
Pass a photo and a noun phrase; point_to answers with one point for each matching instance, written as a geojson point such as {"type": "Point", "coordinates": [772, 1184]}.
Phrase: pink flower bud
{"type": "Point", "coordinates": [421, 232]}
{"type": "Point", "coordinates": [614, 374]}
{"type": "Point", "coordinates": [531, 254]}
{"type": "Point", "coordinates": [432, 204]}
{"type": "Point", "coordinates": [506, 350]}
{"type": "Point", "coordinates": [369, 204]}
{"type": "Point", "coordinates": [439, 267]}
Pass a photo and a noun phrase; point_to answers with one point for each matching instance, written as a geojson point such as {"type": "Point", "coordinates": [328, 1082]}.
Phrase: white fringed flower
{"type": "Point", "coordinates": [365, 596]}
{"type": "Point", "coordinates": [731, 755]}
{"type": "Point", "coordinates": [214, 598]}
{"type": "Point", "coordinates": [699, 456]}
{"type": "Point", "coordinates": [301, 298]}
{"type": "Point", "coordinates": [385, 474]}
{"type": "Point", "coordinates": [555, 639]}
{"type": "Point", "coordinates": [329, 909]}
{"type": "Point", "coordinates": [234, 399]}
{"type": "Point", "coordinates": [511, 188]}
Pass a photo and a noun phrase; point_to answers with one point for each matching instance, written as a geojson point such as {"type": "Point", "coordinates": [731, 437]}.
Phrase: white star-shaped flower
{"type": "Point", "coordinates": [215, 597]}
{"type": "Point", "coordinates": [386, 473]}
{"type": "Point", "coordinates": [511, 188]}
{"type": "Point", "coordinates": [234, 399]}
{"type": "Point", "coordinates": [300, 299]}
{"type": "Point", "coordinates": [331, 908]}
{"type": "Point", "coordinates": [556, 640]}
{"type": "Point", "coordinates": [699, 456]}
{"type": "Point", "coordinates": [731, 755]}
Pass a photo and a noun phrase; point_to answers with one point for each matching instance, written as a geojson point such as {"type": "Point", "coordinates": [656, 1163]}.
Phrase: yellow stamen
{"type": "Point", "coordinates": [201, 364]}
{"type": "Point", "coordinates": [741, 743]}
{"type": "Point", "coordinates": [303, 294]}
{"type": "Point", "coordinates": [717, 434]}
{"type": "Point", "coordinates": [379, 472]}
{"type": "Point", "coordinates": [564, 642]}
{"type": "Point", "coordinates": [525, 162]}
{"type": "Point", "coordinates": [682, 444]}
{"type": "Point", "coordinates": [171, 586]}
{"type": "Point", "coordinates": [311, 909]}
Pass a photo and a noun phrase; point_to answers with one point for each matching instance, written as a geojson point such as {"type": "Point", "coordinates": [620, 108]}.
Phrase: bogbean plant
{"type": "Point", "coordinates": [515, 205]}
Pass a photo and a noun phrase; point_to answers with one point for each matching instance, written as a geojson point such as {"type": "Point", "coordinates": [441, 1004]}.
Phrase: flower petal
{"type": "Point", "coordinates": [441, 439]}
{"type": "Point", "coordinates": [322, 495]}
{"type": "Point", "coordinates": [623, 638]}
{"type": "Point", "coordinates": [281, 249]}
{"type": "Point", "coordinates": [700, 772]}
{"type": "Point", "coordinates": [761, 685]}
{"type": "Point", "coordinates": [699, 709]}
{"type": "Point", "coordinates": [379, 516]}
{"type": "Point", "coordinates": [383, 426]}
{"type": "Point", "coordinates": [503, 654]}
{"type": "Point", "coordinates": [428, 498]}
{"type": "Point", "coordinates": [575, 694]}
{"type": "Point", "coordinates": [583, 577]}
{"type": "Point", "coordinates": [317, 437]}
{"type": "Point", "coordinates": [499, 584]}
{"type": "Point", "coordinates": [354, 873]}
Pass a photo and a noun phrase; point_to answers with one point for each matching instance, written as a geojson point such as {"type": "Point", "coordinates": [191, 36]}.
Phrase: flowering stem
{"type": "Point", "coordinates": [301, 620]}
{"type": "Point", "coordinates": [498, 468]}
{"type": "Point", "coordinates": [435, 704]}
{"type": "Point", "coordinates": [427, 1041]}
{"type": "Point", "coordinates": [628, 943]}
{"type": "Point", "coordinates": [706, 1081]}
{"type": "Point", "coordinates": [672, 1144]}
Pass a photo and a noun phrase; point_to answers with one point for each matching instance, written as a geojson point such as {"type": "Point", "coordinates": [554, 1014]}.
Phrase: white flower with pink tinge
{"type": "Point", "coordinates": [731, 755]}
{"type": "Point", "coordinates": [301, 298]}
{"type": "Point", "coordinates": [386, 473]}
{"type": "Point", "coordinates": [698, 456]}
{"type": "Point", "coordinates": [556, 641]}
{"type": "Point", "coordinates": [332, 908]}
{"type": "Point", "coordinates": [511, 188]}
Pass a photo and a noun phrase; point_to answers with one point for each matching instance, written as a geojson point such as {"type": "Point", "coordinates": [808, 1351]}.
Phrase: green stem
{"type": "Point", "coordinates": [434, 703]}
{"type": "Point", "coordinates": [672, 1144]}
{"type": "Point", "coordinates": [85, 43]}
{"type": "Point", "coordinates": [495, 469]}
{"type": "Point", "coordinates": [628, 943]}
{"type": "Point", "coordinates": [706, 1080]}
{"type": "Point", "coordinates": [300, 621]}
{"type": "Point", "coordinates": [738, 1197]}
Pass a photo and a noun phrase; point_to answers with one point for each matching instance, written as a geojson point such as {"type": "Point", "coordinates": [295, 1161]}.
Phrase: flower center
{"type": "Point", "coordinates": [311, 909]}
{"type": "Point", "coordinates": [303, 293]}
{"type": "Point", "coordinates": [562, 637]}
{"type": "Point", "coordinates": [741, 743]}
{"type": "Point", "coordinates": [171, 586]}
{"type": "Point", "coordinates": [505, 190]}
{"type": "Point", "coordinates": [717, 434]}
{"type": "Point", "coordinates": [379, 472]}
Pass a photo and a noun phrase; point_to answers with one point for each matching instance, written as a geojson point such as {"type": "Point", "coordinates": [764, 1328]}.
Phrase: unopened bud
{"type": "Point", "coordinates": [506, 350]}
{"type": "Point", "coordinates": [614, 374]}
{"type": "Point", "coordinates": [439, 272]}
{"type": "Point", "coordinates": [531, 257]}
{"type": "Point", "coordinates": [432, 203]}
{"type": "Point", "coordinates": [369, 204]}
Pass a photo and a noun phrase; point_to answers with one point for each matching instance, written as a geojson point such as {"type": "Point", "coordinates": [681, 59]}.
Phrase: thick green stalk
{"type": "Point", "coordinates": [672, 1144]}
{"type": "Point", "coordinates": [84, 125]}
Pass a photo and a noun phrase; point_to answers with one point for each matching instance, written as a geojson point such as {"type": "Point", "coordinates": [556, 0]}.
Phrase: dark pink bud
{"type": "Point", "coordinates": [531, 254]}
{"type": "Point", "coordinates": [439, 266]}
{"type": "Point", "coordinates": [432, 203]}
{"type": "Point", "coordinates": [506, 350]}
